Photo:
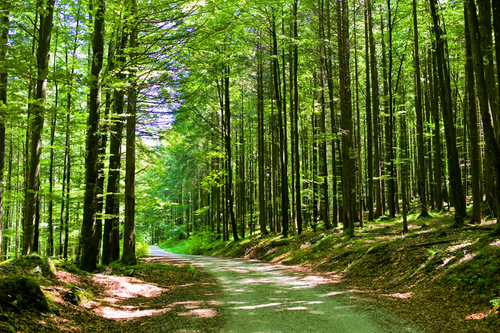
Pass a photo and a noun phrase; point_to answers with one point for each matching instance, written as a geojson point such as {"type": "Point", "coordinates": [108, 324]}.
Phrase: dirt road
{"type": "Point", "coordinates": [261, 297]}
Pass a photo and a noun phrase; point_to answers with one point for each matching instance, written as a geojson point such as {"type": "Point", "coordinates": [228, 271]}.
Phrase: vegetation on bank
{"type": "Point", "coordinates": [39, 294]}
{"type": "Point", "coordinates": [445, 279]}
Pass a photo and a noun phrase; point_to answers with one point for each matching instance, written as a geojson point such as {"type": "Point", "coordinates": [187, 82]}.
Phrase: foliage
{"type": "Point", "coordinates": [198, 243]}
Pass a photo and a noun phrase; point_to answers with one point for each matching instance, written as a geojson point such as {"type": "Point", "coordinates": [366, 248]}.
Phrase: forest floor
{"type": "Point", "coordinates": [158, 295]}
{"type": "Point", "coordinates": [442, 279]}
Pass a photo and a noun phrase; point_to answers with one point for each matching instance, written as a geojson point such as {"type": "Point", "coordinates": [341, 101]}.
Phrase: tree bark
{"type": "Point", "coordinates": [456, 188]}
{"type": "Point", "coordinates": [474, 134]}
{"type": "Point", "coordinates": [91, 227]}
{"type": "Point", "coordinates": [4, 37]}
{"type": "Point", "coordinates": [369, 130]}
{"type": "Point", "coordinates": [376, 111]}
{"type": "Point", "coordinates": [492, 150]}
{"type": "Point", "coordinates": [111, 235]}
{"type": "Point", "coordinates": [295, 128]}
{"type": "Point", "coordinates": [128, 251]}
{"type": "Point", "coordinates": [348, 185]}
{"type": "Point", "coordinates": [420, 120]}
{"type": "Point", "coordinates": [38, 110]}
{"type": "Point", "coordinates": [282, 144]}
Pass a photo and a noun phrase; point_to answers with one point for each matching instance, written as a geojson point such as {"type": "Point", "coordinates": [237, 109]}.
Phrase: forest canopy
{"type": "Point", "coordinates": [135, 121]}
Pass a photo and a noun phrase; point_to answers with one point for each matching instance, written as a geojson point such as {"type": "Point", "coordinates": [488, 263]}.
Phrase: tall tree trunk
{"type": "Point", "coordinates": [369, 130]}
{"type": "Point", "coordinates": [91, 227]}
{"type": "Point", "coordinates": [282, 141]}
{"type": "Point", "coordinates": [376, 111]}
{"type": "Point", "coordinates": [295, 128]}
{"type": "Point", "coordinates": [50, 245]}
{"type": "Point", "coordinates": [111, 235]}
{"type": "Point", "coordinates": [261, 143]}
{"type": "Point", "coordinates": [389, 124]}
{"type": "Point", "coordinates": [348, 185]}
{"type": "Point", "coordinates": [456, 188]}
{"type": "Point", "coordinates": [128, 251]}
{"type": "Point", "coordinates": [4, 36]}
{"type": "Point", "coordinates": [9, 212]}
{"type": "Point", "coordinates": [229, 185]}
{"type": "Point", "coordinates": [323, 166]}
{"type": "Point", "coordinates": [358, 129]}
{"type": "Point", "coordinates": [492, 150]}
{"type": "Point", "coordinates": [438, 160]}
{"type": "Point", "coordinates": [474, 134]}
{"type": "Point", "coordinates": [38, 110]}
{"type": "Point", "coordinates": [420, 120]}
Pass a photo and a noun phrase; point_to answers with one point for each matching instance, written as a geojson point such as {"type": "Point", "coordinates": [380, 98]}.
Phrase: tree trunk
{"type": "Point", "coordinates": [229, 184]}
{"type": "Point", "coordinates": [295, 128]}
{"type": "Point", "coordinates": [282, 141]}
{"type": "Point", "coordinates": [128, 251]}
{"type": "Point", "coordinates": [376, 111]}
{"type": "Point", "coordinates": [346, 118]}
{"type": "Point", "coordinates": [449, 126]}
{"type": "Point", "coordinates": [111, 235]}
{"type": "Point", "coordinates": [90, 235]}
{"type": "Point", "coordinates": [492, 152]}
{"type": "Point", "coordinates": [474, 134]}
{"type": "Point", "coordinates": [369, 130]}
{"type": "Point", "coordinates": [4, 36]}
{"type": "Point", "coordinates": [420, 120]}
{"type": "Point", "coordinates": [38, 110]}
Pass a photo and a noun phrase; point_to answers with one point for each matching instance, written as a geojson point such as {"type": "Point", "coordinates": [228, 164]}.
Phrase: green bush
{"type": "Point", "coordinates": [198, 243]}
{"type": "Point", "coordinates": [141, 248]}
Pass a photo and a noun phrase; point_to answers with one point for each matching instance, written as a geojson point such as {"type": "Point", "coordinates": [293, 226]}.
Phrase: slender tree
{"type": "Point", "coordinates": [449, 127]}
{"type": "Point", "coordinates": [91, 228]}
{"type": "Point", "coordinates": [46, 9]}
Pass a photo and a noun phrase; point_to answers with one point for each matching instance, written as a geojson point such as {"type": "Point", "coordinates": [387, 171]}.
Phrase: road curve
{"type": "Point", "coordinates": [261, 297]}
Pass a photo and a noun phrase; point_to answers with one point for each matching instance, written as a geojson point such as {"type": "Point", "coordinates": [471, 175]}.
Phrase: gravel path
{"type": "Point", "coordinates": [261, 297]}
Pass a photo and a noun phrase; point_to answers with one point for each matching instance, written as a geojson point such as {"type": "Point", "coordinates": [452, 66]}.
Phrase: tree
{"type": "Point", "coordinates": [420, 118]}
{"type": "Point", "coordinates": [128, 252]}
{"type": "Point", "coordinates": [91, 228]}
{"type": "Point", "coordinates": [37, 119]}
{"type": "Point", "coordinates": [4, 35]}
{"type": "Point", "coordinates": [446, 106]}
{"type": "Point", "coordinates": [346, 118]}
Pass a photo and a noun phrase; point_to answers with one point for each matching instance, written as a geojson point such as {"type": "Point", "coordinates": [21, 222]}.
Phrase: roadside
{"type": "Point", "coordinates": [442, 279]}
{"type": "Point", "coordinates": [158, 295]}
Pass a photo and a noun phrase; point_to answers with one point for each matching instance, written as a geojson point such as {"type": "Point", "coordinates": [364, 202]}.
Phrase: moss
{"type": "Point", "coordinates": [22, 293]}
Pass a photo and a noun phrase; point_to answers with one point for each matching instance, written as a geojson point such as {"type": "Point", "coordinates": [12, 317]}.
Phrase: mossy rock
{"type": "Point", "coordinates": [22, 293]}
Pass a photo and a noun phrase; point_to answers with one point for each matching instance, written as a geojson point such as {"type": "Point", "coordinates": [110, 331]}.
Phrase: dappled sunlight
{"type": "Point", "coordinates": [477, 316]}
{"type": "Point", "coordinates": [445, 262]}
{"type": "Point", "coordinates": [495, 244]}
{"type": "Point", "coordinates": [127, 287]}
{"type": "Point", "coordinates": [252, 307]}
{"type": "Point", "coordinates": [399, 295]}
{"type": "Point", "coordinates": [468, 256]}
{"type": "Point", "coordinates": [458, 247]}
{"type": "Point", "coordinates": [200, 313]}
{"type": "Point", "coordinates": [130, 313]}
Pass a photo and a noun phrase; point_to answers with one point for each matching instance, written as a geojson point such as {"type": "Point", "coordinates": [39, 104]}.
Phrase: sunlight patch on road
{"type": "Point", "coordinates": [297, 308]}
{"type": "Point", "coordinates": [111, 313]}
{"type": "Point", "coordinates": [200, 313]}
{"type": "Point", "coordinates": [399, 295]}
{"type": "Point", "coordinates": [251, 307]}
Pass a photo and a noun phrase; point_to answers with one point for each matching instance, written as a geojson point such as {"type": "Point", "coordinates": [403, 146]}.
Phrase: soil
{"type": "Point", "coordinates": [172, 297]}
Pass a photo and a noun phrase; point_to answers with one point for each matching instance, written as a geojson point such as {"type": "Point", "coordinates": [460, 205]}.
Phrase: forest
{"type": "Point", "coordinates": [128, 123]}
{"type": "Point", "coordinates": [135, 121]}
